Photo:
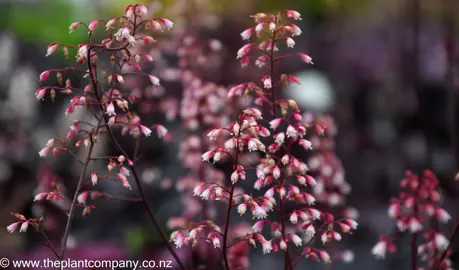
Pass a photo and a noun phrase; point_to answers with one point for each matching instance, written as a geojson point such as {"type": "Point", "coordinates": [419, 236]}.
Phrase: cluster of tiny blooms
{"type": "Point", "coordinates": [331, 188]}
{"type": "Point", "coordinates": [282, 177]}
{"type": "Point", "coordinates": [202, 108]}
{"type": "Point", "coordinates": [104, 67]}
{"type": "Point", "coordinates": [417, 205]}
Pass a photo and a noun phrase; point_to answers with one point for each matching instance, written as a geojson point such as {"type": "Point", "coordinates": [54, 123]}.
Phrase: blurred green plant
{"type": "Point", "coordinates": [135, 238]}
{"type": "Point", "coordinates": [44, 21]}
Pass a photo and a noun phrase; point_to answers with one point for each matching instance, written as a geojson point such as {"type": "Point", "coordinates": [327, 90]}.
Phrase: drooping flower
{"type": "Point", "coordinates": [51, 49]}
{"type": "Point", "coordinates": [246, 34]}
{"type": "Point", "coordinates": [146, 131]}
{"type": "Point", "coordinates": [379, 250]}
{"type": "Point", "coordinates": [13, 227]}
{"type": "Point", "coordinates": [111, 109]}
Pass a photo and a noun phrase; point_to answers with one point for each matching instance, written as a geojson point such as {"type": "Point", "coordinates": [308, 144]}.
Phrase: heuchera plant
{"type": "Point", "coordinates": [282, 176]}
{"type": "Point", "coordinates": [104, 98]}
{"type": "Point", "coordinates": [294, 205]}
{"type": "Point", "coordinates": [417, 211]}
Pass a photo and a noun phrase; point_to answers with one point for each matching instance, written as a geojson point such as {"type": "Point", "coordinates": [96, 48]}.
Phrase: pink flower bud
{"type": "Point", "coordinates": [93, 25]}
{"type": "Point", "coordinates": [51, 49]}
{"type": "Point", "coordinates": [94, 178]}
{"type": "Point", "coordinates": [442, 215]}
{"type": "Point", "coordinates": [13, 227]}
{"type": "Point", "coordinates": [142, 9]}
{"type": "Point", "coordinates": [166, 23]}
{"type": "Point", "coordinates": [207, 155]}
{"type": "Point", "coordinates": [306, 58]}
{"type": "Point", "coordinates": [324, 256]}
{"type": "Point", "coordinates": [242, 208]}
{"type": "Point", "coordinates": [441, 242]}
{"type": "Point", "coordinates": [415, 225]}
{"type": "Point", "coordinates": [296, 240]}
{"type": "Point", "coordinates": [124, 181]}
{"type": "Point", "coordinates": [148, 39]}
{"type": "Point", "coordinates": [198, 190]}
{"type": "Point", "coordinates": [246, 34]}
{"type": "Point", "coordinates": [282, 192]}
{"type": "Point", "coordinates": [267, 247]}
{"type": "Point", "coordinates": [81, 199]}
{"type": "Point", "coordinates": [293, 14]}
{"type": "Point", "coordinates": [24, 226]}
{"type": "Point", "coordinates": [276, 172]}
{"type": "Point", "coordinates": [269, 193]}
{"type": "Point", "coordinates": [129, 11]}
{"type": "Point", "coordinates": [259, 28]}
{"type": "Point", "coordinates": [309, 198]}
{"type": "Point", "coordinates": [290, 42]}
{"type": "Point", "coordinates": [258, 226]}
{"type": "Point", "coordinates": [148, 57]}
{"type": "Point", "coordinates": [154, 80]}
{"type": "Point", "coordinates": [215, 241]}
{"type": "Point", "coordinates": [73, 26]}
{"type": "Point", "coordinates": [44, 75]}
{"type": "Point", "coordinates": [40, 93]}
{"type": "Point", "coordinates": [294, 218]}
{"type": "Point", "coordinates": [161, 131]}
{"type": "Point", "coordinates": [234, 177]}
{"type": "Point", "coordinates": [243, 51]}
{"type": "Point", "coordinates": [178, 239]}
{"type": "Point", "coordinates": [111, 109]}
{"type": "Point", "coordinates": [266, 82]}
{"type": "Point", "coordinates": [285, 159]}
{"type": "Point", "coordinates": [379, 250]}
{"type": "Point", "coordinates": [44, 152]}
{"type": "Point", "coordinates": [274, 124]}
{"type": "Point", "coordinates": [146, 131]}
{"type": "Point", "coordinates": [110, 24]}
{"type": "Point", "coordinates": [305, 143]}
{"type": "Point", "coordinates": [259, 212]}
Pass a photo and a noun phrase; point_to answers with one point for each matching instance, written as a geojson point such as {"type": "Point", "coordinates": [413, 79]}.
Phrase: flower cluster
{"type": "Point", "coordinates": [419, 204]}
{"type": "Point", "coordinates": [331, 189]}
{"type": "Point", "coordinates": [283, 177]}
{"type": "Point", "coordinates": [104, 66]}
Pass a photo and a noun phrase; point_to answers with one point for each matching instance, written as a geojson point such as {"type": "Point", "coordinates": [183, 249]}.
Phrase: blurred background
{"type": "Point", "coordinates": [385, 70]}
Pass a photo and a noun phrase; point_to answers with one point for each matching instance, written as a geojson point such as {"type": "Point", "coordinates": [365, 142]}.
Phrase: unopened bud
{"type": "Point", "coordinates": [59, 77]}
{"type": "Point", "coordinates": [137, 59]}
{"type": "Point", "coordinates": [111, 121]}
{"type": "Point", "coordinates": [86, 211]}
{"type": "Point", "coordinates": [121, 159]}
{"type": "Point", "coordinates": [66, 52]}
